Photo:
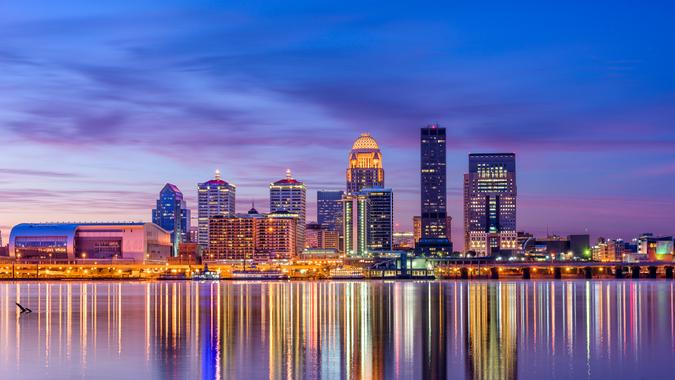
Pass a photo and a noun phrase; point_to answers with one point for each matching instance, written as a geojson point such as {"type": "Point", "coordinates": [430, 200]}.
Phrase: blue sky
{"type": "Point", "coordinates": [103, 102]}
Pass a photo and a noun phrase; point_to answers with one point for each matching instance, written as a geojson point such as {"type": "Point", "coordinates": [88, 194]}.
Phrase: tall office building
{"type": "Point", "coordinates": [434, 240]}
{"type": "Point", "coordinates": [369, 222]}
{"type": "Point", "coordinates": [215, 197]}
{"type": "Point", "coordinates": [290, 195]}
{"type": "Point", "coordinates": [417, 228]}
{"type": "Point", "coordinates": [329, 209]}
{"type": "Point", "coordinates": [365, 165]}
{"type": "Point", "coordinates": [170, 208]}
{"type": "Point", "coordinates": [490, 204]}
{"type": "Point", "coordinates": [367, 206]}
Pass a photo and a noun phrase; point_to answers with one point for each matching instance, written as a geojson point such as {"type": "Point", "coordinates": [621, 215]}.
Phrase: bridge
{"type": "Point", "coordinates": [453, 268]}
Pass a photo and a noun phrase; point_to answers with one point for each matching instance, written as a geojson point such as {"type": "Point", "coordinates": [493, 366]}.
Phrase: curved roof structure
{"type": "Point", "coordinates": [365, 142]}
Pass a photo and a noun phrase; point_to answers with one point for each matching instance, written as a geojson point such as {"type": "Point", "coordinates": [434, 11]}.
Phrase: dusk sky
{"type": "Point", "coordinates": [102, 103]}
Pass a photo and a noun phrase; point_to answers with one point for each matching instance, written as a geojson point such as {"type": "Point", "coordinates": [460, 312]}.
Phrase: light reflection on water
{"type": "Point", "coordinates": [353, 330]}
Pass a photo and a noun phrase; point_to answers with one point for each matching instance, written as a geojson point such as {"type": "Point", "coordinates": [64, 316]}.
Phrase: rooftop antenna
{"type": "Point", "coordinates": [218, 174]}
{"type": "Point", "coordinates": [288, 174]}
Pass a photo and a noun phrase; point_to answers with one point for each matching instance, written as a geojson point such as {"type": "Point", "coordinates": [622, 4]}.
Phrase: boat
{"type": "Point", "coordinates": [259, 275]}
{"type": "Point", "coordinates": [206, 275]}
{"type": "Point", "coordinates": [346, 274]}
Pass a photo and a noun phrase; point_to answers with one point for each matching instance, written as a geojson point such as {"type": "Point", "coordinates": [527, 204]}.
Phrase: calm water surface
{"type": "Point", "coordinates": [334, 330]}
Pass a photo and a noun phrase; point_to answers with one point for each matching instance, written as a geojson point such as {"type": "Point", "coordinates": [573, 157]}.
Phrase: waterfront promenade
{"type": "Point", "coordinates": [359, 268]}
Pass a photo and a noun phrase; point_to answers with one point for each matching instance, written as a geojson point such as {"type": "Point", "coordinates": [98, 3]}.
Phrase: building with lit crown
{"type": "Point", "coordinates": [136, 242]}
{"type": "Point", "coordinates": [367, 225]}
{"type": "Point", "coordinates": [365, 165]}
{"type": "Point", "coordinates": [171, 207]}
{"type": "Point", "coordinates": [215, 197]}
{"type": "Point", "coordinates": [290, 195]}
{"type": "Point", "coordinates": [490, 204]}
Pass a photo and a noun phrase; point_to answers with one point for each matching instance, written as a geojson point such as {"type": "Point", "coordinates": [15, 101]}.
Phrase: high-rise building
{"type": "Point", "coordinates": [367, 206]}
{"type": "Point", "coordinates": [417, 228]}
{"type": "Point", "coordinates": [365, 165]}
{"type": "Point", "coordinates": [329, 209]}
{"type": "Point", "coordinates": [290, 195]}
{"type": "Point", "coordinates": [215, 197]}
{"type": "Point", "coordinates": [253, 236]}
{"type": "Point", "coordinates": [434, 239]}
{"type": "Point", "coordinates": [170, 208]}
{"type": "Point", "coordinates": [369, 222]}
{"type": "Point", "coordinates": [490, 204]}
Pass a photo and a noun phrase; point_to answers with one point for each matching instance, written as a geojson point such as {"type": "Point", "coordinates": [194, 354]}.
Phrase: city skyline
{"type": "Point", "coordinates": [243, 206]}
{"type": "Point", "coordinates": [84, 124]}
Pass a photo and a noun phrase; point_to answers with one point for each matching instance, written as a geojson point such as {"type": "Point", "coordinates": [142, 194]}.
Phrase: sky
{"type": "Point", "coordinates": [103, 102]}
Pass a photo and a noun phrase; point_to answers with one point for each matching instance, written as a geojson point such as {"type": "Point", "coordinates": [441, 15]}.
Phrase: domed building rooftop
{"type": "Point", "coordinates": [365, 142]}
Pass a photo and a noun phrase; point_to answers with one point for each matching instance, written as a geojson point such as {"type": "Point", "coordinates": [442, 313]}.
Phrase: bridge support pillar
{"type": "Point", "coordinates": [635, 272]}
{"type": "Point", "coordinates": [652, 272]}
{"type": "Point", "coordinates": [618, 271]}
{"type": "Point", "coordinates": [588, 273]}
{"type": "Point", "coordinates": [494, 273]}
{"type": "Point", "coordinates": [557, 273]}
{"type": "Point", "coordinates": [464, 273]}
{"type": "Point", "coordinates": [526, 273]}
{"type": "Point", "coordinates": [669, 273]}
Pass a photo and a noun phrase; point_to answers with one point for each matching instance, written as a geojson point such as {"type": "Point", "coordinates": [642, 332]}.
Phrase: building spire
{"type": "Point", "coordinates": [288, 174]}
{"type": "Point", "coordinates": [218, 174]}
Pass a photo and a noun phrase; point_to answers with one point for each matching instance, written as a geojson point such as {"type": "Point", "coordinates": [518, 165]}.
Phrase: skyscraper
{"type": "Point", "coordinates": [434, 239]}
{"type": "Point", "coordinates": [490, 203]}
{"type": "Point", "coordinates": [329, 209]}
{"type": "Point", "coordinates": [379, 226]}
{"type": "Point", "coordinates": [369, 222]}
{"type": "Point", "coordinates": [290, 195]}
{"type": "Point", "coordinates": [215, 197]}
{"type": "Point", "coordinates": [367, 206]}
{"type": "Point", "coordinates": [170, 208]}
{"type": "Point", "coordinates": [365, 165]}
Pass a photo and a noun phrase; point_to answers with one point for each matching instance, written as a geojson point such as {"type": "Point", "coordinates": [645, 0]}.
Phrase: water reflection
{"type": "Point", "coordinates": [350, 330]}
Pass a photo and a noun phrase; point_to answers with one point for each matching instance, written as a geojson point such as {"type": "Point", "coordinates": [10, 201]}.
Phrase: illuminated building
{"type": "Point", "coordinates": [137, 242]}
{"type": "Point", "coordinates": [253, 236]}
{"type": "Point", "coordinates": [403, 240]}
{"type": "Point", "coordinates": [417, 228]}
{"type": "Point", "coordinates": [215, 197]}
{"type": "Point", "coordinates": [609, 250]}
{"type": "Point", "coordinates": [194, 234]}
{"type": "Point", "coordinates": [171, 207]}
{"type": "Point", "coordinates": [656, 248]}
{"type": "Point", "coordinates": [318, 236]}
{"type": "Point", "coordinates": [367, 206]}
{"type": "Point", "coordinates": [290, 195]}
{"type": "Point", "coordinates": [368, 221]}
{"type": "Point", "coordinates": [365, 165]}
{"type": "Point", "coordinates": [490, 204]}
{"type": "Point", "coordinates": [434, 240]}
{"type": "Point", "coordinates": [329, 209]}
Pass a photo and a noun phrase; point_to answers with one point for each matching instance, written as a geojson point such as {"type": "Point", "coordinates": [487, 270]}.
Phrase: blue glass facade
{"type": "Point", "coordinates": [171, 207]}
{"type": "Point", "coordinates": [329, 209]}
